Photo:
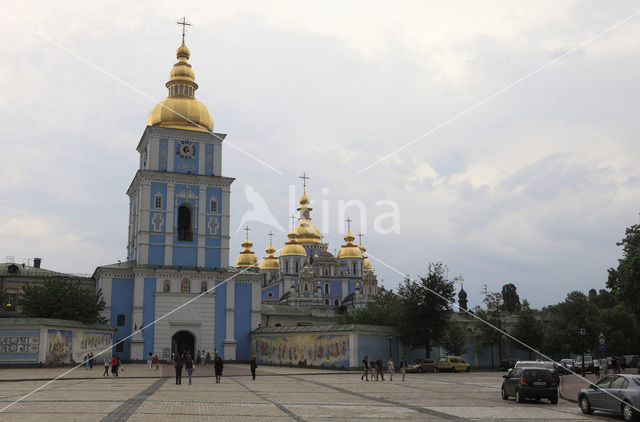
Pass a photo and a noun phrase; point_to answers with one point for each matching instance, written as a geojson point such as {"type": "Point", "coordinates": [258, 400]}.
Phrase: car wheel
{"type": "Point", "coordinates": [505, 396]}
{"type": "Point", "coordinates": [585, 406]}
{"type": "Point", "coordinates": [628, 413]}
{"type": "Point", "coordinates": [519, 398]}
{"type": "Point", "coordinates": [419, 370]}
{"type": "Point", "coordinates": [434, 370]}
{"type": "Point", "coordinates": [554, 400]}
{"type": "Point", "coordinates": [453, 369]}
{"type": "Point", "coordinates": [468, 369]}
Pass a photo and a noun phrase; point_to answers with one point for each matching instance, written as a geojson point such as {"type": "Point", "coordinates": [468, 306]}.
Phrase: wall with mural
{"type": "Point", "coordinates": [19, 345]}
{"type": "Point", "coordinates": [326, 350]}
{"type": "Point", "coordinates": [73, 345]}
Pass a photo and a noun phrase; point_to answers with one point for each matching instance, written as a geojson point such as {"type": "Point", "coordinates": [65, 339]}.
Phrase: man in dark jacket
{"type": "Point", "coordinates": [365, 368]}
{"type": "Point", "coordinates": [253, 365]}
{"type": "Point", "coordinates": [379, 365]}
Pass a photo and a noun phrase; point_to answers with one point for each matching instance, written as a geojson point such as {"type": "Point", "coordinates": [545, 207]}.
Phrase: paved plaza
{"type": "Point", "coordinates": [278, 394]}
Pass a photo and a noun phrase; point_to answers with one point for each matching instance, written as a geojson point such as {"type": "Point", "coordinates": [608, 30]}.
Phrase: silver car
{"type": "Point", "coordinates": [618, 394]}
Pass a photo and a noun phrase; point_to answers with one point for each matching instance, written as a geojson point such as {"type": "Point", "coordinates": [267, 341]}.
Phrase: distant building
{"type": "Point", "coordinates": [15, 276]}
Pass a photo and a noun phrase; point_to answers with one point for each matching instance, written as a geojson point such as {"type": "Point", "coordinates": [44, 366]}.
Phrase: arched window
{"type": "Point", "coordinates": [326, 288]}
{"type": "Point", "coordinates": [286, 267]}
{"type": "Point", "coordinates": [306, 287]}
{"type": "Point", "coordinates": [213, 205]}
{"type": "Point", "coordinates": [157, 201]}
{"type": "Point", "coordinates": [203, 287]}
{"type": "Point", "coordinates": [185, 286]}
{"type": "Point", "coordinates": [278, 325]}
{"type": "Point", "coordinates": [167, 286]}
{"type": "Point", "coordinates": [336, 302]}
{"type": "Point", "coordinates": [326, 302]}
{"type": "Point", "coordinates": [296, 266]}
{"type": "Point", "coordinates": [185, 232]}
{"type": "Point", "coordinates": [354, 268]}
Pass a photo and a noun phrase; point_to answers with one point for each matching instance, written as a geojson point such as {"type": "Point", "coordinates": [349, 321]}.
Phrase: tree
{"type": "Point", "coordinates": [385, 309]}
{"type": "Point", "coordinates": [3, 295]}
{"type": "Point", "coordinates": [624, 281]}
{"type": "Point", "coordinates": [454, 339]}
{"type": "Point", "coordinates": [510, 298]}
{"type": "Point", "coordinates": [620, 329]}
{"type": "Point", "coordinates": [63, 299]}
{"type": "Point", "coordinates": [426, 307]}
{"type": "Point", "coordinates": [569, 317]}
{"type": "Point", "coordinates": [529, 328]}
{"type": "Point", "coordinates": [603, 299]}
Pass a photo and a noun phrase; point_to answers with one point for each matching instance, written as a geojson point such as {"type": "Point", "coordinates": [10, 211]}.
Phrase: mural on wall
{"type": "Point", "coordinates": [85, 342]}
{"type": "Point", "coordinates": [59, 344]}
{"type": "Point", "coordinates": [19, 344]}
{"type": "Point", "coordinates": [310, 349]}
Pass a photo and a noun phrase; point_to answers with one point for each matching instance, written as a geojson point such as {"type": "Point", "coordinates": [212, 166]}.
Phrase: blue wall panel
{"type": "Point", "coordinates": [213, 242]}
{"type": "Point", "coordinates": [273, 290]}
{"type": "Point", "coordinates": [242, 320]}
{"type": "Point", "coordinates": [156, 255]}
{"type": "Point", "coordinates": [220, 328]}
{"type": "Point", "coordinates": [212, 258]}
{"type": "Point", "coordinates": [185, 256]}
{"type": "Point", "coordinates": [148, 314]}
{"type": "Point", "coordinates": [122, 303]}
{"type": "Point", "coordinates": [208, 159]}
{"type": "Point", "coordinates": [162, 159]}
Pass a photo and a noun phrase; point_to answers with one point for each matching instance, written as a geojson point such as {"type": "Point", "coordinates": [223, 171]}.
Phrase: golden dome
{"type": "Point", "coordinates": [292, 247]}
{"type": "Point", "coordinates": [181, 110]}
{"type": "Point", "coordinates": [270, 262]}
{"type": "Point", "coordinates": [307, 232]}
{"type": "Point", "coordinates": [366, 264]}
{"type": "Point", "coordinates": [246, 258]}
{"type": "Point", "coordinates": [349, 250]}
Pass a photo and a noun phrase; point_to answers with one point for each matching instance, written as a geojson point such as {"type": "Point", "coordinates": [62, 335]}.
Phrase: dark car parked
{"type": "Point", "coordinates": [530, 383]}
{"type": "Point", "coordinates": [617, 393]}
{"type": "Point", "coordinates": [422, 365]}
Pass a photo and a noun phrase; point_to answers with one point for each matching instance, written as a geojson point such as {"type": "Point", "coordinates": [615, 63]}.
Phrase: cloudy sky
{"type": "Point", "coordinates": [533, 185]}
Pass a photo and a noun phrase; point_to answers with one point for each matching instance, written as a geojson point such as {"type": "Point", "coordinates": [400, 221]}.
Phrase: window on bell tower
{"type": "Point", "coordinates": [185, 231]}
{"type": "Point", "coordinates": [213, 205]}
{"type": "Point", "coordinates": [157, 201]}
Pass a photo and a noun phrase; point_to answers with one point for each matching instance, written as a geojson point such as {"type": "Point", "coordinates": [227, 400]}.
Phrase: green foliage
{"type": "Point", "coordinates": [529, 328]}
{"type": "Point", "coordinates": [63, 299]}
{"type": "Point", "coordinates": [426, 308]}
{"type": "Point", "coordinates": [386, 309]}
{"type": "Point", "coordinates": [603, 299]}
{"type": "Point", "coordinates": [454, 339]}
{"type": "Point", "coordinates": [3, 295]}
{"type": "Point", "coordinates": [510, 298]}
{"type": "Point", "coordinates": [624, 281]}
{"type": "Point", "coordinates": [563, 331]}
{"type": "Point", "coordinates": [620, 330]}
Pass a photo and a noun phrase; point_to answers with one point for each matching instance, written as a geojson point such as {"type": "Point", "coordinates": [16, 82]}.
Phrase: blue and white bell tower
{"type": "Point", "coordinates": [178, 241]}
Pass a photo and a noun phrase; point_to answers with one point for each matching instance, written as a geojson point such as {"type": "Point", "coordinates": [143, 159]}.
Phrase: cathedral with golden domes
{"type": "Point", "coordinates": [307, 274]}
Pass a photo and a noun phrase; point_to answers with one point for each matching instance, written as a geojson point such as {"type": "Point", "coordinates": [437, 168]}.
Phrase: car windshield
{"type": "Point", "coordinates": [523, 364]}
{"type": "Point", "coordinates": [537, 374]}
{"type": "Point", "coordinates": [417, 361]}
{"type": "Point", "coordinates": [637, 380]}
{"type": "Point", "coordinates": [442, 360]}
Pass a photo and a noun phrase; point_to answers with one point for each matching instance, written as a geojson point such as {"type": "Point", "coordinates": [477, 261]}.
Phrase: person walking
{"type": "Point", "coordinates": [605, 366]}
{"type": "Point", "coordinates": [217, 367]}
{"type": "Point", "coordinates": [188, 363]}
{"type": "Point", "coordinates": [149, 361]}
{"type": "Point", "coordinates": [253, 364]}
{"type": "Point", "coordinates": [373, 368]}
{"type": "Point", "coordinates": [178, 366]}
{"type": "Point", "coordinates": [197, 357]}
{"type": "Point", "coordinates": [91, 357]}
{"type": "Point", "coordinates": [390, 368]}
{"type": "Point", "coordinates": [156, 362]}
{"type": "Point", "coordinates": [365, 368]}
{"type": "Point", "coordinates": [403, 368]}
{"type": "Point", "coordinates": [380, 368]}
{"type": "Point", "coordinates": [596, 367]}
{"type": "Point", "coordinates": [106, 366]}
{"type": "Point", "coordinates": [206, 360]}
{"type": "Point", "coordinates": [114, 365]}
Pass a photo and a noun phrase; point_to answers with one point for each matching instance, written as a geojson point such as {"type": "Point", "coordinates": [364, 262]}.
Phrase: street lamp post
{"type": "Point", "coordinates": [390, 337]}
{"type": "Point", "coordinates": [583, 333]}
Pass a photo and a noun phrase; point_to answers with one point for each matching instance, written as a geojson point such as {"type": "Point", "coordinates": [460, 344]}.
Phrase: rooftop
{"type": "Point", "coordinates": [51, 322]}
{"type": "Point", "coordinates": [325, 328]}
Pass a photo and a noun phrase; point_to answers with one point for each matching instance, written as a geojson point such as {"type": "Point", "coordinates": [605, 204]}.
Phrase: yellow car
{"type": "Point", "coordinates": [453, 364]}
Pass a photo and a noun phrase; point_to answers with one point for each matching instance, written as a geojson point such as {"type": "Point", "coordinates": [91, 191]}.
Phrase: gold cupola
{"type": "Point", "coordinates": [246, 258]}
{"type": "Point", "coordinates": [349, 249]}
{"type": "Point", "coordinates": [292, 247]}
{"type": "Point", "coordinates": [270, 262]}
{"type": "Point", "coordinates": [181, 110]}
{"type": "Point", "coordinates": [307, 232]}
{"type": "Point", "coordinates": [366, 265]}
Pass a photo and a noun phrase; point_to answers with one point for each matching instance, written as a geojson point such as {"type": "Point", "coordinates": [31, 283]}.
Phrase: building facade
{"type": "Point", "coordinates": [178, 240]}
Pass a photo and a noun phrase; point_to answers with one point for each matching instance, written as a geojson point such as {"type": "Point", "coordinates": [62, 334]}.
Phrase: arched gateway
{"type": "Point", "coordinates": [183, 341]}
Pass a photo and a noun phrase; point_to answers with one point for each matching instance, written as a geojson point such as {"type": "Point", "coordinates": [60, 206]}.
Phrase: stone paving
{"type": "Point", "coordinates": [278, 394]}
